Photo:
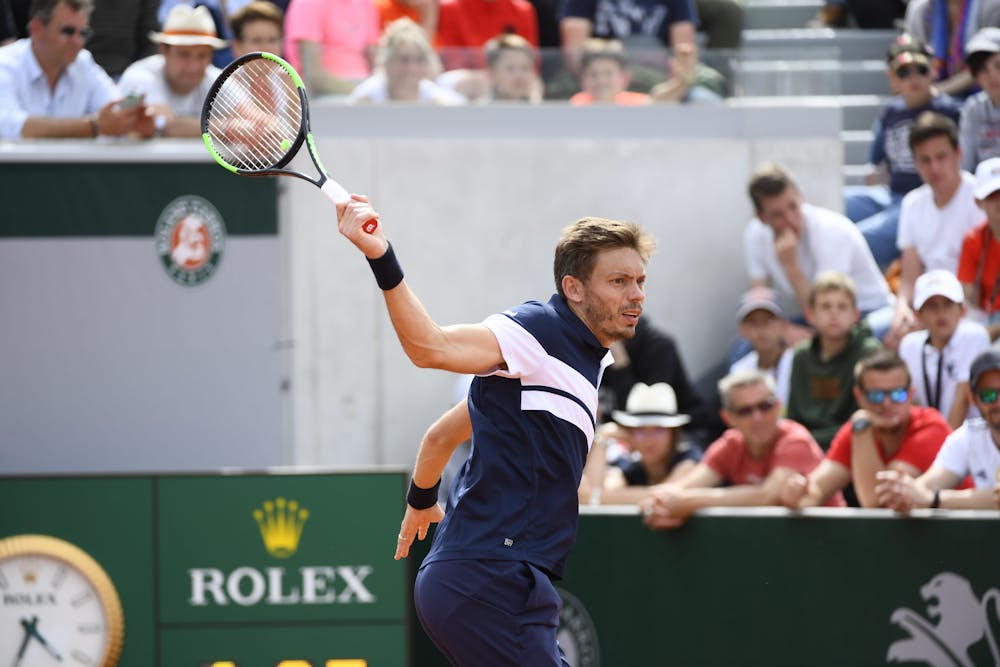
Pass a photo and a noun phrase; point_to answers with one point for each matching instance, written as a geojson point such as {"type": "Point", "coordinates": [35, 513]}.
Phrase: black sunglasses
{"type": "Point", "coordinates": [764, 406]}
{"type": "Point", "coordinates": [905, 71]}
{"type": "Point", "coordinates": [70, 31]}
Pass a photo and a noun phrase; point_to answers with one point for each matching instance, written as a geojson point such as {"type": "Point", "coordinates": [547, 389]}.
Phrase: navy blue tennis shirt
{"type": "Point", "coordinates": [532, 425]}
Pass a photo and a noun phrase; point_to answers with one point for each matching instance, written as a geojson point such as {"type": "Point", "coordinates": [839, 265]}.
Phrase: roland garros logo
{"type": "Point", "coordinates": [190, 237]}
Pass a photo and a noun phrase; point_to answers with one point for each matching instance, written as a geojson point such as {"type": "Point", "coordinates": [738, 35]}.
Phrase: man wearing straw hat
{"type": "Point", "coordinates": [174, 82]}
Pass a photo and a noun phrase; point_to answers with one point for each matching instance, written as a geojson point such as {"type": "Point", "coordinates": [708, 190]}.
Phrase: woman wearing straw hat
{"type": "Point", "coordinates": [649, 432]}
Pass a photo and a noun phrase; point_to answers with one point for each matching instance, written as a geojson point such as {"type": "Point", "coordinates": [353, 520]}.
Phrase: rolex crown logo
{"type": "Point", "coordinates": [280, 524]}
{"type": "Point", "coordinates": [29, 571]}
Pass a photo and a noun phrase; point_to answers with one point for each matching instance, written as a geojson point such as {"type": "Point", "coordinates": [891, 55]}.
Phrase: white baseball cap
{"type": "Point", "coordinates": [939, 282]}
{"type": "Point", "coordinates": [987, 178]}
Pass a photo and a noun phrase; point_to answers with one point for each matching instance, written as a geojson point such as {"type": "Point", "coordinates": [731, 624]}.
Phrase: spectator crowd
{"type": "Point", "coordinates": [864, 371]}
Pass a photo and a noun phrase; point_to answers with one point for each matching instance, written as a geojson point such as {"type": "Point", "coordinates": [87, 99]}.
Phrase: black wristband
{"type": "Point", "coordinates": [936, 503]}
{"type": "Point", "coordinates": [388, 272]}
{"type": "Point", "coordinates": [421, 499]}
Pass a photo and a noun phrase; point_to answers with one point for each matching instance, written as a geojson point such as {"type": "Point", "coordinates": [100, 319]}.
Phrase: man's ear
{"type": "Point", "coordinates": [810, 316]}
{"type": "Point", "coordinates": [726, 418]}
{"type": "Point", "coordinates": [573, 288]}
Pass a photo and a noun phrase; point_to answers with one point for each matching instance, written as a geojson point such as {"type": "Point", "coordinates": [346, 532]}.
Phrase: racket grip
{"type": "Point", "coordinates": [336, 193]}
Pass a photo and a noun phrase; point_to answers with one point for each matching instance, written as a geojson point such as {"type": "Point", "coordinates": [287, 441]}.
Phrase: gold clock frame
{"type": "Point", "coordinates": [77, 558]}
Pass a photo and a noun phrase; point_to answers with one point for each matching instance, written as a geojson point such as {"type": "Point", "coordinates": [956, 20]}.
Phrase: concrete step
{"type": "Point", "coordinates": [808, 43]}
{"type": "Point", "coordinates": [860, 111]}
{"type": "Point", "coordinates": [856, 143]}
{"type": "Point", "coordinates": [775, 14]}
{"type": "Point", "coordinates": [854, 174]}
{"type": "Point", "coordinates": [809, 77]}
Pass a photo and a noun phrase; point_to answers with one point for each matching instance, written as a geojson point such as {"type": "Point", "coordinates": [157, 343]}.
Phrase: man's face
{"type": "Point", "coordinates": [513, 75]}
{"type": "Point", "coordinates": [911, 80]}
{"type": "Point", "coordinates": [754, 411]}
{"type": "Point", "coordinates": [991, 207]}
{"type": "Point", "coordinates": [610, 300]}
{"type": "Point", "coordinates": [879, 395]}
{"type": "Point", "coordinates": [941, 316]}
{"type": "Point", "coordinates": [782, 211]}
{"type": "Point", "coordinates": [938, 162]}
{"type": "Point", "coordinates": [185, 66]}
{"type": "Point", "coordinates": [58, 42]}
{"type": "Point", "coordinates": [604, 78]}
{"type": "Point", "coordinates": [985, 396]}
{"type": "Point", "coordinates": [763, 329]}
{"type": "Point", "coordinates": [989, 77]}
{"type": "Point", "coordinates": [258, 35]}
{"type": "Point", "coordinates": [833, 313]}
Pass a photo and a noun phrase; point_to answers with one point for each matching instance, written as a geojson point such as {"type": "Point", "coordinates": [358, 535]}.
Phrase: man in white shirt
{"type": "Point", "coordinates": [933, 218]}
{"type": "Point", "coordinates": [50, 86]}
{"type": "Point", "coordinates": [939, 356]}
{"type": "Point", "coordinates": [973, 450]}
{"type": "Point", "coordinates": [790, 242]}
{"type": "Point", "coordinates": [176, 81]}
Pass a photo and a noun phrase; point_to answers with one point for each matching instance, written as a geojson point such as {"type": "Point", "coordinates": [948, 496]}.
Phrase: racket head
{"type": "Point", "coordinates": [255, 116]}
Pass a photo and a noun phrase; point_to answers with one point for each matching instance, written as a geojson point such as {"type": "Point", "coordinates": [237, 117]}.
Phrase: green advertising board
{"type": "Point", "coordinates": [243, 569]}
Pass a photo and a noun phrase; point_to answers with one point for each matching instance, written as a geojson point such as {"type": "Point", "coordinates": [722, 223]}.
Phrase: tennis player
{"type": "Point", "coordinates": [484, 593]}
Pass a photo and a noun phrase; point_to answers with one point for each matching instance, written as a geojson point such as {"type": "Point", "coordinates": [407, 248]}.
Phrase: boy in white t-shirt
{"type": "Point", "coordinates": [973, 450]}
{"type": "Point", "coordinates": [933, 218]}
{"type": "Point", "coordinates": [940, 355]}
{"type": "Point", "coordinates": [762, 324]}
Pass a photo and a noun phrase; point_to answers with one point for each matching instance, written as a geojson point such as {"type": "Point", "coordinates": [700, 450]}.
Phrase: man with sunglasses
{"type": "Point", "coordinates": [50, 86]}
{"type": "Point", "coordinates": [887, 432]}
{"type": "Point", "coordinates": [755, 457]}
{"type": "Point", "coordinates": [973, 450]}
{"type": "Point", "coordinates": [873, 206]}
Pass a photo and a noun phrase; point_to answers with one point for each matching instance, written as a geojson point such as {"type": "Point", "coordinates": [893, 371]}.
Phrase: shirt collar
{"type": "Point", "coordinates": [562, 309]}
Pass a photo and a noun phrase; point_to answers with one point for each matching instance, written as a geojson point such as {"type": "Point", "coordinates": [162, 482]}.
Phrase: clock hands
{"type": "Point", "coordinates": [24, 642]}
{"type": "Point", "coordinates": [31, 630]}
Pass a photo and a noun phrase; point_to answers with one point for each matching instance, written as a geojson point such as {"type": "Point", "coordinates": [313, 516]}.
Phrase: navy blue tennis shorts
{"type": "Point", "coordinates": [492, 613]}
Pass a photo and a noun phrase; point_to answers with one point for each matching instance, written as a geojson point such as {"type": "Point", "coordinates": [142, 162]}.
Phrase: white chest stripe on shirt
{"type": "Point", "coordinates": [559, 406]}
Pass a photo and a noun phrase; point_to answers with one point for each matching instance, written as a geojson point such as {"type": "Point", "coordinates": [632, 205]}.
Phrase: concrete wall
{"type": "Point", "coordinates": [474, 200]}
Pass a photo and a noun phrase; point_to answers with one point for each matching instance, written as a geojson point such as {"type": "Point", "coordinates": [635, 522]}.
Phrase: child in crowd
{"type": "Point", "coordinates": [980, 123]}
{"type": "Point", "coordinates": [604, 76]}
{"type": "Point", "coordinates": [979, 261]}
{"type": "Point", "coordinates": [513, 76]}
{"type": "Point", "coordinates": [876, 207]}
{"type": "Point", "coordinates": [762, 324]}
{"type": "Point", "coordinates": [823, 368]}
{"type": "Point", "coordinates": [940, 355]}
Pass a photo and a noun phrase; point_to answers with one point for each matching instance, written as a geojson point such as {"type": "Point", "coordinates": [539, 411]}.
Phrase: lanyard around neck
{"type": "Point", "coordinates": [933, 400]}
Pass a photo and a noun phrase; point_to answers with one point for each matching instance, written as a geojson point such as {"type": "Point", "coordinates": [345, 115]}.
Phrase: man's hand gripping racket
{"type": "Point", "coordinates": [256, 118]}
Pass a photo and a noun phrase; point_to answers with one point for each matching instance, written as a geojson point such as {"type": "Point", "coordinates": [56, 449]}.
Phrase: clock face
{"type": "Point", "coordinates": [57, 606]}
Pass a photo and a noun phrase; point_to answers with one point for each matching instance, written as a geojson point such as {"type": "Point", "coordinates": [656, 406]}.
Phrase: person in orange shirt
{"type": "Point", "coordinates": [604, 76]}
{"type": "Point", "coordinates": [979, 262]}
{"type": "Point", "coordinates": [422, 12]}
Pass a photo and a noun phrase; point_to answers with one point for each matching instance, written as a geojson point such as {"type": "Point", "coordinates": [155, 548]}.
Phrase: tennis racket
{"type": "Point", "coordinates": [256, 118]}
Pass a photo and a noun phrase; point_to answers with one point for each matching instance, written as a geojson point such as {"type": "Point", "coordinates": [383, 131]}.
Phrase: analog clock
{"type": "Point", "coordinates": [57, 606]}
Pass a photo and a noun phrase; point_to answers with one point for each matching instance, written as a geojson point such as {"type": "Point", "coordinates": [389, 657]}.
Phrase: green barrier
{"type": "Point", "coordinates": [248, 569]}
{"type": "Point", "coordinates": [769, 588]}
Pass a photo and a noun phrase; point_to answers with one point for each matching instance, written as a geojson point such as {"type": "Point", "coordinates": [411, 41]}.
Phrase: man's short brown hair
{"type": "Point", "coordinates": [258, 10]}
{"type": "Point", "coordinates": [930, 124]}
{"type": "Point", "coordinates": [882, 360]}
{"type": "Point", "coordinates": [768, 180]}
{"type": "Point", "coordinates": [578, 247]}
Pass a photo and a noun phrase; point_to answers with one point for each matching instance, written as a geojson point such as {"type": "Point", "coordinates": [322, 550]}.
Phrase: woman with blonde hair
{"type": "Point", "coordinates": [406, 66]}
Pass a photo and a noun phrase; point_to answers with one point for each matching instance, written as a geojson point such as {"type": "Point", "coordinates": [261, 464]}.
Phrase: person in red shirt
{"type": "Point", "coordinates": [755, 456]}
{"type": "Point", "coordinates": [979, 261]}
{"type": "Point", "coordinates": [887, 432]}
{"type": "Point", "coordinates": [464, 26]}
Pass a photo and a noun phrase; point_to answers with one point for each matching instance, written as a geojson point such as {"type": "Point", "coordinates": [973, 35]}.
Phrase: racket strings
{"type": "Point", "coordinates": [255, 116]}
